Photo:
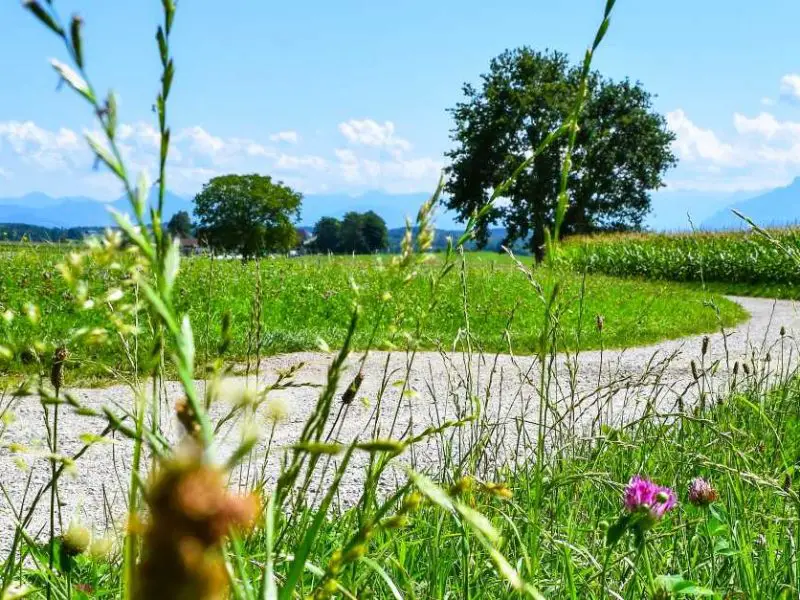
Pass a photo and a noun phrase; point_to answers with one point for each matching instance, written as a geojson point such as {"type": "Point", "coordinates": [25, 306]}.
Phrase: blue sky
{"type": "Point", "coordinates": [350, 96]}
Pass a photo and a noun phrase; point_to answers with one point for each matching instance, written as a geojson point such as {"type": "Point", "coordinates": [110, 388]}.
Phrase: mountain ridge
{"type": "Point", "coordinates": [776, 207]}
{"type": "Point", "coordinates": [42, 210]}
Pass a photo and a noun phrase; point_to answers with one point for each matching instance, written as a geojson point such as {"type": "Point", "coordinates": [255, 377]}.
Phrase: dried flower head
{"type": "Point", "coordinates": [191, 512]}
{"type": "Point", "coordinates": [648, 498]}
{"type": "Point", "coordinates": [57, 370]}
{"type": "Point", "coordinates": [701, 492]}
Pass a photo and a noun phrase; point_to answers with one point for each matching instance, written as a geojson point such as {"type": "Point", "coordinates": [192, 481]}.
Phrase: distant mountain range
{"type": "Point", "coordinates": [44, 211]}
{"type": "Point", "coordinates": [777, 207]}
{"type": "Point", "coordinates": [780, 206]}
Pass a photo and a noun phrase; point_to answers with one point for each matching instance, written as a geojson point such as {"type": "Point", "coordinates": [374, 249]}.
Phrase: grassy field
{"type": "Point", "coordinates": [284, 305]}
{"type": "Point", "coordinates": [556, 522]}
{"type": "Point", "coordinates": [743, 262]}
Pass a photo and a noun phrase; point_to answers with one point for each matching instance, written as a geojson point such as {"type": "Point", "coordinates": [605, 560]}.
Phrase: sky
{"type": "Point", "coordinates": [352, 95]}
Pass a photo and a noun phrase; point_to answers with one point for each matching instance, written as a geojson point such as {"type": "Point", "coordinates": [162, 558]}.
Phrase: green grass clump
{"type": "Point", "coordinates": [741, 260]}
{"type": "Point", "coordinates": [285, 305]}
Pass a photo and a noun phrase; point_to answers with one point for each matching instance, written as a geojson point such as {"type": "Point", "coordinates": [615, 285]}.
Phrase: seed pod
{"type": "Point", "coordinates": [57, 370]}
{"type": "Point", "coordinates": [351, 391]}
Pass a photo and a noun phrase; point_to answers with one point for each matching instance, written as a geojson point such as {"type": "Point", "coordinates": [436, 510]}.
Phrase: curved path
{"type": "Point", "coordinates": [615, 385]}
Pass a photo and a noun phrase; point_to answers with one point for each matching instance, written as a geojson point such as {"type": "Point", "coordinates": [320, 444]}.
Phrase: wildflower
{"type": "Point", "coordinates": [276, 410]}
{"type": "Point", "coordinates": [76, 539]}
{"type": "Point", "coordinates": [652, 501]}
{"type": "Point", "coordinates": [701, 492]}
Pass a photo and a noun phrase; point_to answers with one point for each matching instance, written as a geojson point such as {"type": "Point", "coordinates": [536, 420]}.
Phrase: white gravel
{"type": "Point", "coordinates": [617, 385]}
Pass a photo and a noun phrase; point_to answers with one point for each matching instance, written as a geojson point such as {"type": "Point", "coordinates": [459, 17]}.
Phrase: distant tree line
{"type": "Point", "coordinates": [15, 232]}
{"type": "Point", "coordinates": [359, 233]}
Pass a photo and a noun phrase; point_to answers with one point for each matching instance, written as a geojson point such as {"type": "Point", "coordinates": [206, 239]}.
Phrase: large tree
{"type": "Point", "coordinates": [622, 149]}
{"type": "Point", "coordinates": [249, 214]}
{"type": "Point", "coordinates": [328, 233]}
{"type": "Point", "coordinates": [352, 235]}
{"type": "Point", "coordinates": [374, 232]}
{"type": "Point", "coordinates": [180, 225]}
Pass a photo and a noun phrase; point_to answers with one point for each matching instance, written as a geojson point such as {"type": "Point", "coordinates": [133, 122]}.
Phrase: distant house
{"type": "Point", "coordinates": [189, 246]}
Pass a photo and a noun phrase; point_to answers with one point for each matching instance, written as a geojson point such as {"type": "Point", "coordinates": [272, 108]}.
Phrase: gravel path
{"type": "Point", "coordinates": [612, 385]}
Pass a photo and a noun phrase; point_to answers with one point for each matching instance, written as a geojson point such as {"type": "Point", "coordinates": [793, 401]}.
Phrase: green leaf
{"type": "Point", "coordinates": [384, 576]}
{"type": "Point", "coordinates": [676, 584]}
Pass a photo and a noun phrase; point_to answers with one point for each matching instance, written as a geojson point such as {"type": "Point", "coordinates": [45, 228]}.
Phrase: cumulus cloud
{"type": "Point", "coordinates": [790, 87]}
{"type": "Point", "coordinates": [371, 133]}
{"type": "Point", "coordinates": [763, 153]}
{"type": "Point", "coordinates": [767, 126]}
{"type": "Point", "coordinates": [49, 150]}
{"type": "Point", "coordinates": [694, 143]}
{"type": "Point", "coordinates": [288, 137]}
{"type": "Point", "coordinates": [396, 175]}
{"type": "Point", "coordinates": [375, 159]}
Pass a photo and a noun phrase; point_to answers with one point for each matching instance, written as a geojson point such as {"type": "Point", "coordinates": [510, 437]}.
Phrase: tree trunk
{"type": "Point", "coordinates": [537, 240]}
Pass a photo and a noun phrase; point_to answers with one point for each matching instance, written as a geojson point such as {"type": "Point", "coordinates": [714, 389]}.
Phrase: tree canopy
{"type": "Point", "coordinates": [180, 225]}
{"type": "Point", "coordinates": [361, 233]}
{"type": "Point", "coordinates": [622, 149]}
{"type": "Point", "coordinates": [248, 214]}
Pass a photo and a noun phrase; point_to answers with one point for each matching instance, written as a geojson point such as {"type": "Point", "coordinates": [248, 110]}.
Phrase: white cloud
{"type": "Point", "coordinates": [140, 133]}
{"type": "Point", "coordinates": [693, 143]}
{"type": "Point", "coordinates": [371, 133]}
{"type": "Point", "coordinates": [289, 137]}
{"type": "Point", "coordinates": [376, 159]}
{"type": "Point", "coordinates": [763, 152]}
{"type": "Point", "coordinates": [767, 101]}
{"type": "Point", "coordinates": [790, 87]}
{"type": "Point", "coordinates": [767, 126]}
{"type": "Point", "coordinates": [49, 150]}
{"type": "Point", "coordinates": [200, 141]}
{"type": "Point", "coordinates": [291, 163]}
{"type": "Point", "coordinates": [396, 175]}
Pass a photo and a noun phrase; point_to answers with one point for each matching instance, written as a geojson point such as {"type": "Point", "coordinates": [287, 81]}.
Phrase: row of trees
{"type": "Point", "coordinates": [362, 233]}
{"type": "Point", "coordinates": [621, 153]}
